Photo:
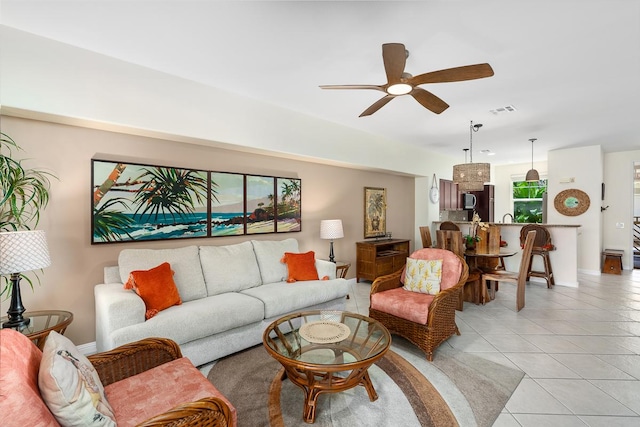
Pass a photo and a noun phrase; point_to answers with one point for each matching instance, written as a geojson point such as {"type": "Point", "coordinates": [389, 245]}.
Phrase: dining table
{"type": "Point", "coordinates": [474, 256]}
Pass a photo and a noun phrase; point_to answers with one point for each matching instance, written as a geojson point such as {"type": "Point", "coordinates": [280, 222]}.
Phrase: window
{"type": "Point", "coordinates": [527, 200]}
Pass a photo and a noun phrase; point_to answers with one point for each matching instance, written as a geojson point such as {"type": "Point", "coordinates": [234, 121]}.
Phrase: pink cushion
{"type": "Point", "coordinates": [153, 392]}
{"type": "Point", "coordinates": [20, 399]}
{"type": "Point", "coordinates": [451, 265]}
{"type": "Point", "coordinates": [404, 304]}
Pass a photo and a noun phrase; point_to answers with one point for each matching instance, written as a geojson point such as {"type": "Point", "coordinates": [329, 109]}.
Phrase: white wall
{"type": "Point", "coordinates": [584, 165]}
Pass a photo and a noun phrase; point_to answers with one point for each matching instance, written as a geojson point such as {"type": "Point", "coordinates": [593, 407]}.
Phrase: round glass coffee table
{"type": "Point", "coordinates": [326, 352]}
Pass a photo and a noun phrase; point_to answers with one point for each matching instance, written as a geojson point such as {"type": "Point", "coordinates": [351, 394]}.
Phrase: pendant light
{"type": "Point", "coordinates": [533, 174]}
{"type": "Point", "coordinates": [471, 176]}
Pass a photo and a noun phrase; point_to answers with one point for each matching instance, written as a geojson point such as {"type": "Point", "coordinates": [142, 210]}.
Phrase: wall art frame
{"type": "Point", "coordinates": [572, 202]}
{"type": "Point", "coordinates": [142, 202]}
{"type": "Point", "coordinates": [375, 212]}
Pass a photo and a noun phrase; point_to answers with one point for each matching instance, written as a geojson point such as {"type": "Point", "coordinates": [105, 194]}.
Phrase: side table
{"type": "Point", "coordinates": [342, 267]}
{"type": "Point", "coordinates": [43, 322]}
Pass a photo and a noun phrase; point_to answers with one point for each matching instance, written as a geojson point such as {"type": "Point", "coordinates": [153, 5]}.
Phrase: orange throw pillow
{"type": "Point", "coordinates": [156, 288]}
{"type": "Point", "coordinates": [301, 266]}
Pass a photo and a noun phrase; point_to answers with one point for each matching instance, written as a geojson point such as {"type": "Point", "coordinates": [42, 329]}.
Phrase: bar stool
{"type": "Point", "coordinates": [541, 246]}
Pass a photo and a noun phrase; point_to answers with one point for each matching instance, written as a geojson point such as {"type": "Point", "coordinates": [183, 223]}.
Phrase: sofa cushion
{"type": "Point", "coordinates": [411, 306]}
{"type": "Point", "coordinates": [229, 268]}
{"type": "Point", "coordinates": [158, 390]}
{"type": "Point", "coordinates": [70, 385]}
{"type": "Point", "coordinates": [156, 288]}
{"type": "Point", "coordinates": [282, 297]}
{"type": "Point", "coordinates": [300, 266]}
{"type": "Point", "coordinates": [184, 262]}
{"type": "Point", "coordinates": [269, 253]}
{"type": "Point", "coordinates": [20, 399]}
{"type": "Point", "coordinates": [196, 319]}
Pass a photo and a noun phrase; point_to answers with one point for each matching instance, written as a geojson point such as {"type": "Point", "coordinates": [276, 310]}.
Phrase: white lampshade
{"type": "Point", "coordinates": [331, 229]}
{"type": "Point", "coordinates": [22, 251]}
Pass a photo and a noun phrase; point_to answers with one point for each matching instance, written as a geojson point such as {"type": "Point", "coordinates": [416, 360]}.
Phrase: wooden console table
{"type": "Point", "coordinates": [375, 258]}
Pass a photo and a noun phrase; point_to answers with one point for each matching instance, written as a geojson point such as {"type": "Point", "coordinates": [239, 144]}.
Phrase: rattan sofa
{"type": "Point", "coordinates": [392, 306]}
{"type": "Point", "coordinates": [191, 400]}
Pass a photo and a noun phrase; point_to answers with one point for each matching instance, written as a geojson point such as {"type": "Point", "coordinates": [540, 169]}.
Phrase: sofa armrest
{"type": "Point", "coordinates": [326, 268]}
{"type": "Point", "coordinates": [210, 411]}
{"type": "Point", "coordinates": [134, 358]}
{"type": "Point", "coordinates": [116, 308]}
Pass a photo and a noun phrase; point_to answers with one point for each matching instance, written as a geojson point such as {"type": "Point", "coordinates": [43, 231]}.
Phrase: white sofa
{"type": "Point", "coordinates": [230, 294]}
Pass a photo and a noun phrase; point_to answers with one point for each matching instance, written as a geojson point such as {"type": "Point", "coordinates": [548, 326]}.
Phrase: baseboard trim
{"type": "Point", "coordinates": [88, 348]}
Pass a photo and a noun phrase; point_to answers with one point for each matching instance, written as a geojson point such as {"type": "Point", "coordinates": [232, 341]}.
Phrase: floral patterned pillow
{"type": "Point", "coordinates": [423, 276]}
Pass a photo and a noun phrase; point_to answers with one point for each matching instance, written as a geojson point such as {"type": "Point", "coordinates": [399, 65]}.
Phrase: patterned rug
{"type": "Point", "coordinates": [476, 391]}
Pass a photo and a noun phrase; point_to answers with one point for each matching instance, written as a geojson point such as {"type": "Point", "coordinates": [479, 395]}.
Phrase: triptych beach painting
{"type": "Point", "coordinates": [133, 202]}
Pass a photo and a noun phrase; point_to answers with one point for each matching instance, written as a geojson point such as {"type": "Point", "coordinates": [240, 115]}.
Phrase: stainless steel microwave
{"type": "Point", "coordinates": [469, 201]}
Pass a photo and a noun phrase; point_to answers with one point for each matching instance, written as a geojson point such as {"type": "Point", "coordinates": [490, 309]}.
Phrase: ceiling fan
{"type": "Point", "coordinates": [400, 83]}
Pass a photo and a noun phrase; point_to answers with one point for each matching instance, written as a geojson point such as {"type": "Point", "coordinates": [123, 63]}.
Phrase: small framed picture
{"type": "Point", "coordinates": [375, 212]}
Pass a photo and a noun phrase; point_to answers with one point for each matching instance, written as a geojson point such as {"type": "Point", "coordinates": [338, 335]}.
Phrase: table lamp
{"type": "Point", "coordinates": [21, 251]}
{"type": "Point", "coordinates": [331, 229]}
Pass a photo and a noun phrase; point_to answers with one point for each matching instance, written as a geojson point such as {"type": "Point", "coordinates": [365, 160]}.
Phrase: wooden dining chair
{"type": "Point", "coordinates": [519, 277]}
{"type": "Point", "coordinates": [448, 225]}
{"type": "Point", "coordinates": [425, 235]}
{"type": "Point", "coordinates": [451, 240]}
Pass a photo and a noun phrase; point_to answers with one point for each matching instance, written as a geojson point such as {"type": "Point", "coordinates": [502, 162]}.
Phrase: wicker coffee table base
{"type": "Point", "coordinates": [313, 383]}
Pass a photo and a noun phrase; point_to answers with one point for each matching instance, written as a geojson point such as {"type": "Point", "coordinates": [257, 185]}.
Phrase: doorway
{"type": "Point", "coordinates": [636, 215]}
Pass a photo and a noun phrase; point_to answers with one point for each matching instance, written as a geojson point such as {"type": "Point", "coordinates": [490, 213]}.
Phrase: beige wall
{"type": "Point", "coordinates": [327, 192]}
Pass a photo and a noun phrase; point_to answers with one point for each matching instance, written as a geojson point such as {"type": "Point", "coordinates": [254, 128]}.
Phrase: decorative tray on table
{"type": "Point", "coordinates": [324, 332]}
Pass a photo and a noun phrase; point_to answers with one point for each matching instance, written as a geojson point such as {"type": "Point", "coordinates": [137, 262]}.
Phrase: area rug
{"type": "Point", "coordinates": [475, 391]}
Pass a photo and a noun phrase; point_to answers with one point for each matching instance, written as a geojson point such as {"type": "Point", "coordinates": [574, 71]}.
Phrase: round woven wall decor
{"type": "Point", "coordinates": [572, 202]}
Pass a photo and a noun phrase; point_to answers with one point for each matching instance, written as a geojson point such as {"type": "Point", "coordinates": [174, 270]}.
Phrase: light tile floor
{"type": "Point", "coordinates": [579, 349]}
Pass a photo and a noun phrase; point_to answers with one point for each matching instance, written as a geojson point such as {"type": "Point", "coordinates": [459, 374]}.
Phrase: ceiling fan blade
{"type": "Point", "coordinates": [377, 105]}
{"type": "Point", "coordinates": [457, 74]}
{"type": "Point", "coordinates": [375, 87]}
{"type": "Point", "coordinates": [394, 56]}
{"type": "Point", "coordinates": [429, 100]}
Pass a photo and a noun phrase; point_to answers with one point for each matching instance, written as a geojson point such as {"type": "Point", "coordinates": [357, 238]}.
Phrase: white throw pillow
{"type": "Point", "coordinates": [70, 385]}
{"type": "Point", "coordinates": [185, 263]}
{"type": "Point", "coordinates": [423, 276]}
{"type": "Point", "coordinates": [269, 253]}
{"type": "Point", "coordinates": [229, 268]}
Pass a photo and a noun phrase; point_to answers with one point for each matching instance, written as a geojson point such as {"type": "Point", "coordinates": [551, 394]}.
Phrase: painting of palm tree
{"type": "Point", "coordinates": [375, 212]}
{"type": "Point", "coordinates": [288, 211]}
{"type": "Point", "coordinates": [134, 202]}
{"type": "Point", "coordinates": [139, 202]}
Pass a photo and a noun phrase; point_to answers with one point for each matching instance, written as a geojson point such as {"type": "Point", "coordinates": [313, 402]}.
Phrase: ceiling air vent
{"type": "Point", "coordinates": [502, 110]}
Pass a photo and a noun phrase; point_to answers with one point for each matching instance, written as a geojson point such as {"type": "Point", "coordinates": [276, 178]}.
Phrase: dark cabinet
{"type": "Point", "coordinates": [484, 204]}
{"type": "Point", "coordinates": [449, 196]}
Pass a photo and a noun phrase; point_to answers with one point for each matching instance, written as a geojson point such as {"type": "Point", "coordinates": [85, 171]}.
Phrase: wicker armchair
{"type": "Point", "coordinates": [135, 358]}
{"type": "Point", "coordinates": [425, 320]}
{"type": "Point", "coordinates": [147, 383]}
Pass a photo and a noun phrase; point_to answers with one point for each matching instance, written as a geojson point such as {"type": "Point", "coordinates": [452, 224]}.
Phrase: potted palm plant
{"type": "Point", "coordinates": [24, 193]}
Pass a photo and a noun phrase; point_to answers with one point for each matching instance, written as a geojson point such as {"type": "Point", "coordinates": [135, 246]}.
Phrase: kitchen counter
{"type": "Point", "coordinates": [564, 259]}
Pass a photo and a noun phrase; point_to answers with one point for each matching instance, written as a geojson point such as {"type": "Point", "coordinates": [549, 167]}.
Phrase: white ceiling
{"type": "Point", "coordinates": [571, 68]}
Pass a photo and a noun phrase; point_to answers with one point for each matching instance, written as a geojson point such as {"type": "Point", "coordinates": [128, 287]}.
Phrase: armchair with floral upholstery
{"type": "Point", "coordinates": [424, 315]}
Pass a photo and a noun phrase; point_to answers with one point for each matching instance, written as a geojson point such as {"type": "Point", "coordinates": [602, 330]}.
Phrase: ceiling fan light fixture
{"type": "Point", "coordinates": [532, 174]}
{"type": "Point", "coordinates": [471, 176]}
{"type": "Point", "coordinates": [399, 89]}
